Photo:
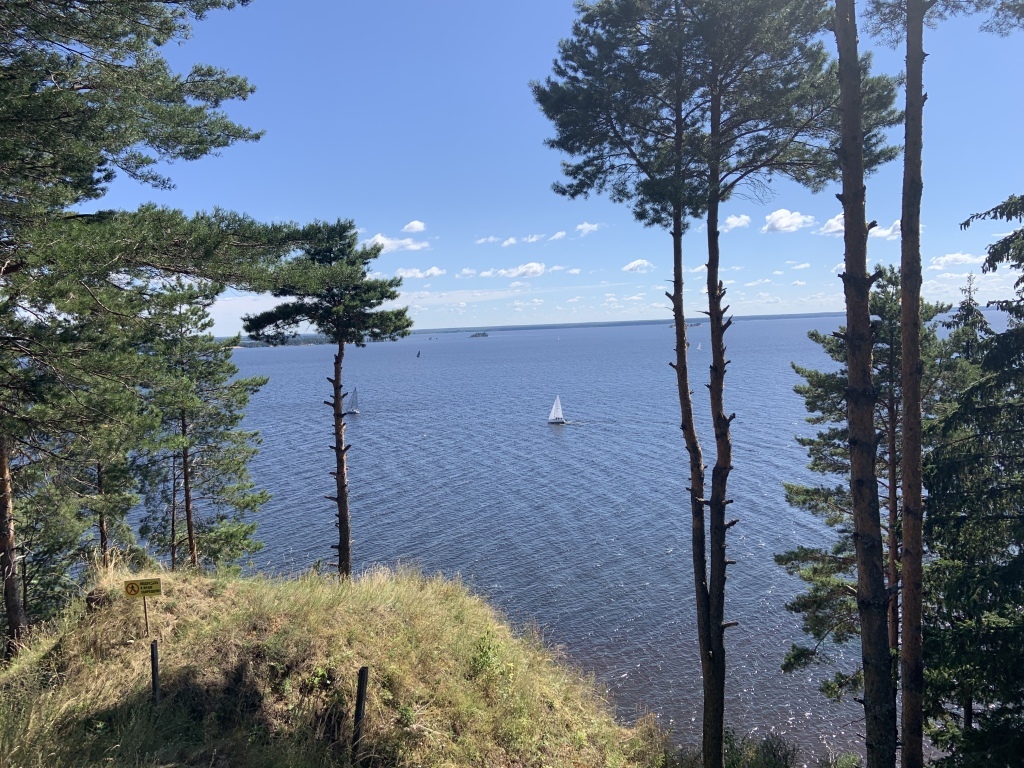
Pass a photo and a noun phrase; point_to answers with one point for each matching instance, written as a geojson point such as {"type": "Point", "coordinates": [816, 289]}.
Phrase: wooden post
{"type": "Point", "coordinates": [145, 612]}
{"type": "Point", "coordinates": [154, 662]}
{"type": "Point", "coordinates": [357, 732]}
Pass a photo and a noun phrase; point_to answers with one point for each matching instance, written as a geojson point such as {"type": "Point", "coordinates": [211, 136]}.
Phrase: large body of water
{"type": "Point", "coordinates": [583, 530]}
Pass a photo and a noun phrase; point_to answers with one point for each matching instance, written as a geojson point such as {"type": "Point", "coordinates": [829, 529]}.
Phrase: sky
{"type": "Point", "coordinates": [416, 121]}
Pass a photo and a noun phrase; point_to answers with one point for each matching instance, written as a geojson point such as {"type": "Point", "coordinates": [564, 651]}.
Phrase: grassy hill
{"type": "Point", "coordinates": [258, 672]}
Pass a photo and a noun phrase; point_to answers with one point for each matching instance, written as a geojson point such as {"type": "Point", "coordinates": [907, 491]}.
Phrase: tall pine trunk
{"type": "Point", "coordinates": [102, 521]}
{"type": "Point", "coordinates": [911, 656]}
{"type": "Point", "coordinates": [340, 473]}
{"type": "Point", "coordinates": [186, 497]}
{"type": "Point", "coordinates": [17, 621]}
{"type": "Point", "coordinates": [872, 600]}
{"type": "Point", "coordinates": [714, 685]}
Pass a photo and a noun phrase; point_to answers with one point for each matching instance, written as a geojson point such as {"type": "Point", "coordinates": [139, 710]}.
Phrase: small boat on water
{"type": "Point", "coordinates": [555, 417]}
{"type": "Point", "coordinates": [352, 403]}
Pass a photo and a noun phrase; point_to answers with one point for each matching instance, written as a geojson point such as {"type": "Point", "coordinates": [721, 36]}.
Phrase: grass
{"type": "Point", "coordinates": [260, 672]}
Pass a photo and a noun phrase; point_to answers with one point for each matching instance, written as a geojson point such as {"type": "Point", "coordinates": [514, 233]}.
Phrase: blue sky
{"type": "Point", "coordinates": [416, 121]}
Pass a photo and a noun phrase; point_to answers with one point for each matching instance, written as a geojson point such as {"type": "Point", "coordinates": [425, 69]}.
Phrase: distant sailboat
{"type": "Point", "coordinates": [555, 417]}
{"type": "Point", "coordinates": [352, 406]}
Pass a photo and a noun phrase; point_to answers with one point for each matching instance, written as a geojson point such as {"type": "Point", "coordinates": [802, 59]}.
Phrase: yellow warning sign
{"type": "Point", "coordinates": [142, 588]}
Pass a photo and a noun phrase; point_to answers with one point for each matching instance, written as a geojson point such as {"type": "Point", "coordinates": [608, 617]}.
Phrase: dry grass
{"type": "Point", "coordinates": [258, 672]}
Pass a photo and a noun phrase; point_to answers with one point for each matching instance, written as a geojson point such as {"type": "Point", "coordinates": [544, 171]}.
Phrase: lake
{"type": "Point", "coordinates": [581, 530]}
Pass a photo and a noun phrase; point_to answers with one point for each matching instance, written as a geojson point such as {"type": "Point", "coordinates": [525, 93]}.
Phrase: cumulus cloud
{"type": "Point", "coordinates": [640, 265]}
{"type": "Point", "coordinates": [532, 269]}
{"type": "Point", "coordinates": [805, 265]}
{"type": "Point", "coordinates": [799, 282]}
{"type": "Point", "coordinates": [556, 268]}
{"type": "Point", "coordinates": [778, 272]}
{"type": "Point", "coordinates": [420, 274]}
{"type": "Point", "coordinates": [533, 238]}
{"type": "Point", "coordinates": [833, 226]}
{"type": "Point", "coordinates": [762, 281]}
{"type": "Point", "coordinates": [784, 220]}
{"type": "Point", "coordinates": [944, 262]}
{"type": "Point", "coordinates": [414, 226]}
{"type": "Point", "coordinates": [637, 297]}
{"type": "Point", "coordinates": [557, 236]}
{"type": "Point", "coordinates": [466, 272]}
{"type": "Point", "coordinates": [892, 232]}
{"type": "Point", "coordinates": [735, 222]}
{"type": "Point", "coordinates": [573, 299]}
{"type": "Point", "coordinates": [508, 242]}
{"type": "Point", "coordinates": [586, 228]}
{"type": "Point", "coordinates": [390, 244]}
{"type": "Point", "coordinates": [575, 271]}
{"type": "Point", "coordinates": [488, 239]}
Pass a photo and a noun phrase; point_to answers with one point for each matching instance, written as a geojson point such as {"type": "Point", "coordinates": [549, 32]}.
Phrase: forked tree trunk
{"type": "Point", "coordinates": [17, 621]}
{"type": "Point", "coordinates": [872, 600]}
{"type": "Point", "coordinates": [911, 657]}
{"type": "Point", "coordinates": [340, 473]}
{"type": "Point", "coordinates": [186, 497]}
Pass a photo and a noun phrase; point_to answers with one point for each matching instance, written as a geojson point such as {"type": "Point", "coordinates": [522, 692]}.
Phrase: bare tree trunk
{"type": "Point", "coordinates": [892, 544]}
{"type": "Point", "coordinates": [872, 600]}
{"type": "Point", "coordinates": [17, 621]}
{"type": "Point", "coordinates": [174, 511]}
{"type": "Point", "coordinates": [186, 497]}
{"type": "Point", "coordinates": [714, 688]}
{"type": "Point", "coordinates": [693, 450]}
{"type": "Point", "coordinates": [340, 473]}
{"type": "Point", "coordinates": [912, 664]}
{"type": "Point", "coordinates": [102, 522]}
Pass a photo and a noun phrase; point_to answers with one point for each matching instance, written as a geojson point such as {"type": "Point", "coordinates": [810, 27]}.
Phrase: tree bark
{"type": "Point", "coordinates": [861, 396]}
{"type": "Point", "coordinates": [186, 497]}
{"type": "Point", "coordinates": [17, 621]}
{"type": "Point", "coordinates": [714, 685]}
{"type": "Point", "coordinates": [102, 521]}
{"type": "Point", "coordinates": [344, 545]}
{"type": "Point", "coordinates": [174, 512]}
{"type": "Point", "coordinates": [892, 543]}
{"type": "Point", "coordinates": [911, 655]}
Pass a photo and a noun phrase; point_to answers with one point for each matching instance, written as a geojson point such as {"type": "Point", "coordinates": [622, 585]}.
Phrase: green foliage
{"type": "Point", "coordinates": [828, 608]}
{"type": "Point", "coordinates": [332, 292]}
{"type": "Point", "coordinates": [196, 465]}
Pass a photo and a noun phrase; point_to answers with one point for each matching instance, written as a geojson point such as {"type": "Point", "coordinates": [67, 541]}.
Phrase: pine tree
{"type": "Point", "coordinates": [332, 291]}
{"type": "Point", "coordinates": [197, 464]}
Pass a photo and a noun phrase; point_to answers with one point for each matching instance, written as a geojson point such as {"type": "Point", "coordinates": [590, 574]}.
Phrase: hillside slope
{"type": "Point", "coordinates": [258, 672]}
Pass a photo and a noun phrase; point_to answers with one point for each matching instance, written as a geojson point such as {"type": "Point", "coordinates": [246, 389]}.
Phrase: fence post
{"type": "Point", "coordinates": [154, 661]}
{"type": "Point", "coordinates": [357, 732]}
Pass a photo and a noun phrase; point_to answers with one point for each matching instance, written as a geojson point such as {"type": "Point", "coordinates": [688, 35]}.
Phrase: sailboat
{"type": "Point", "coordinates": [555, 417]}
{"type": "Point", "coordinates": [352, 406]}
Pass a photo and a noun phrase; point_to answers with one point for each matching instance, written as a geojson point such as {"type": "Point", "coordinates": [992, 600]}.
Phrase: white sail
{"type": "Point", "coordinates": [555, 417]}
{"type": "Point", "coordinates": [352, 402]}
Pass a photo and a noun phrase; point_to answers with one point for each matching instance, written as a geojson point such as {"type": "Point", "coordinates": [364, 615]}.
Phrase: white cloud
{"type": "Point", "coordinates": [640, 265]}
{"type": "Point", "coordinates": [891, 232]}
{"type": "Point", "coordinates": [391, 244]}
{"type": "Point", "coordinates": [508, 242]}
{"type": "Point", "coordinates": [466, 272]}
{"type": "Point", "coordinates": [488, 239]}
{"type": "Point", "coordinates": [575, 271]}
{"type": "Point", "coordinates": [833, 227]}
{"type": "Point", "coordinates": [557, 236]}
{"type": "Point", "coordinates": [532, 269]}
{"type": "Point", "coordinates": [556, 268]}
{"type": "Point", "coordinates": [701, 268]}
{"type": "Point", "coordinates": [420, 274]}
{"type": "Point", "coordinates": [762, 281]}
{"type": "Point", "coordinates": [805, 265]}
{"type": "Point", "coordinates": [533, 238]}
{"type": "Point", "coordinates": [532, 303]}
{"type": "Point", "coordinates": [784, 220]}
{"type": "Point", "coordinates": [518, 284]}
{"type": "Point", "coordinates": [778, 272]}
{"type": "Point", "coordinates": [573, 299]}
{"type": "Point", "coordinates": [414, 226]}
{"type": "Point", "coordinates": [637, 297]}
{"type": "Point", "coordinates": [799, 282]}
{"type": "Point", "coordinates": [586, 228]}
{"type": "Point", "coordinates": [838, 267]}
{"type": "Point", "coordinates": [735, 222]}
{"type": "Point", "coordinates": [943, 262]}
